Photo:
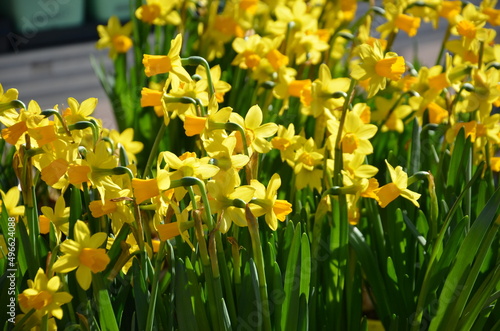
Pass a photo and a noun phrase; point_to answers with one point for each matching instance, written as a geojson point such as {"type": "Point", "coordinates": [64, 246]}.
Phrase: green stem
{"type": "Point", "coordinates": [154, 150]}
{"type": "Point", "coordinates": [154, 289]}
{"type": "Point", "coordinates": [198, 60]}
{"type": "Point", "coordinates": [443, 44]}
{"type": "Point", "coordinates": [338, 139]}
{"type": "Point", "coordinates": [205, 261]}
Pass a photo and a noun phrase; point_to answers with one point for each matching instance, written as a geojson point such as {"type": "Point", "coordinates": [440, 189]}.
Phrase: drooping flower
{"type": "Point", "coordinates": [398, 187]}
{"type": "Point", "coordinates": [266, 202]}
{"type": "Point", "coordinates": [83, 253]}
{"type": "Point", "coordinates": [171, 63]}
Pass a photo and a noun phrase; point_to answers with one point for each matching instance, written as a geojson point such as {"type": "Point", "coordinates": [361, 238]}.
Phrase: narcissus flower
{"type": "Point", "coordinates": [10, 201]}
{"type": "Point", "coordinates": [378, 67]}
{"type": "Point", "coordinates": [8, 115]}
{"type": "Point", "coordinates": [255, 131]}
{"type": "Point", "coordinates": [83, 253]}
{"type": "Point", "coordinates": [222, 193]}
{"type": "Point", "coordinates": [43, 296]}
{"type": "Point", "coordinates": [125, 139]}
{"type": "Point", "coordinates": [159, 12]}
{"type": "Point", "coordinates": [115, 36]}
{"type": "Point", "coordinates": [265, 202]}
{"type": "Point", "coordinates": [398, 187]}
{"type": "Point", "coordinates": [160, 64]}
{"type": "Point", "coordinates": [59, 216]}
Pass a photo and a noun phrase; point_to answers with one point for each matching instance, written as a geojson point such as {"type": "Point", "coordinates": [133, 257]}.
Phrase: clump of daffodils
{"type": "Point", "coordinates": [278, 112]}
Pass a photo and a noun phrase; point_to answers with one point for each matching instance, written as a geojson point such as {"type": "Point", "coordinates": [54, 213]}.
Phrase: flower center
{"type": "Point", "coordinates": [307, 159]}
{"type": "Point", "coordinates": [466, 29]}
{"type": "Point", "coordinates": [150, 12]}
{"type": "Point", "coordinates": [349, 143]}
{"type": "Point", "coordinates": [94, 258]}
{"type": "Point", "coordinates": [251, 59]}
{"type": "Point", "coordinates": [122, 43]}
{"type": "Point", "coordinates": [391, 68]}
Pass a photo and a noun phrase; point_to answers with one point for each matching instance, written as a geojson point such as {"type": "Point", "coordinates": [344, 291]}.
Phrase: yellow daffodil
{"type": "Point", "coordinates": [307, 159]}
{"type": "Point", "coordinates": [398, 187]}
{"type": "Point", "coordinates": [28, 119]}
{"type": "Point", "coordinates": [115, 36]}
{"type": "Point", "coordinates": [83, 253]}
{"type": "Point", "coordinates": [397, 20]}
{"type": "Point", "coordinates": [188, 165]}
{"type": "Point", "coordinates": [10, 200]}
{"type": "Point", "coordinates": [77, 112]}
{"type": "Point", "coordinates": [125, 139]}
{"type": "Point", "coordinates": [286, 142]}
{"type": "Point", "coordinates": [222, 192]}
{"type": "Point", "coordinates": [59, 216]}
{"type": "Point", "coordinates": [255, 131]}
{"type": "Point", "coordinates": [265, 202]}
{"type": "Point", "coordinates": [250, 51]}
{"type": "Point", "coordinates": [159, 12]}
{"type": "Point", "coordinates": [322, 91]}
{"type": "Point", "coordinates": [206, 126]}
{"type": "Point", "coordinates": [221, 87]}
{"type": "Point", "coordinates": [43, 295]}
{"type": "Point", "coordinates": [355, 134]}
{"type": "Point", "coordinates": [178, 89]}
{"type": "Point", "coordinates": [392, 121]}
{"type": "Point", "coordinates": [222, 150]}
{"type": "Point", "coordinates": [171, 63]}
{"type": "Point", "coordinates": [180, 227]}
{"type": "Point", "coordinates": [378, 67]}
{"type": "Point", "coordinates": [8, 116]}
{"type": "Point", "coordinates": [97, 168]}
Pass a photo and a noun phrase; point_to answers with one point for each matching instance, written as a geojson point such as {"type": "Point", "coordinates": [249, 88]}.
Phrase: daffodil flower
{"type": "Point", "coordinates": [159, 12]}
{"type": "Point", "coordinates": [8, 116]}
{"type": "Point", "coordinates": [125, 139]}
{"type": "Point", "coordinates": [159, 64]}
{"type": "Point", "coordinates": [59, 216]}
{"type": "Point", "coordinates": [398, 187]}
{"type": "Point", "coordinates": [378, 67]}
{"type": "Point", "coordinates": [222, 193]}
{"type": "Point", "coordinates": [265, 202]}
{"type": "Point", "coordinates": [83, 253]}
{"type": "Point", "coordinates": [43, 295]}
{"type": "Point", "coordinates": [115, 36]}
{"type": "Point", "coordinates": [255, 131]}
{"type": "Point", "coordinates": [10, 201]}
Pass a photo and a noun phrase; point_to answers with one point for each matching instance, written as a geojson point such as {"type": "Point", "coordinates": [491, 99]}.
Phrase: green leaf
{"type": "Point", "coordinates": [305, 266]}
{"type": "Point", "coordinates": [141, 294]}
{"type": "Point", "coordinates": [184, 309]}
{"type": "Point", "coordinates": [106, 313]}
{"type": "Point", "coordinates": [197, 297]}
{"type": "Point", "coordinates": [373, 274]}
{"type": "Point", "coordinates": [290, 308]}
{"type": "Point", "coordinates": [454, 283]}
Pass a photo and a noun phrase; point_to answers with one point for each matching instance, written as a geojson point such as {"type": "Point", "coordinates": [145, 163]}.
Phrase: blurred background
{"type": "Point", "coordinates": [46, 45]}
